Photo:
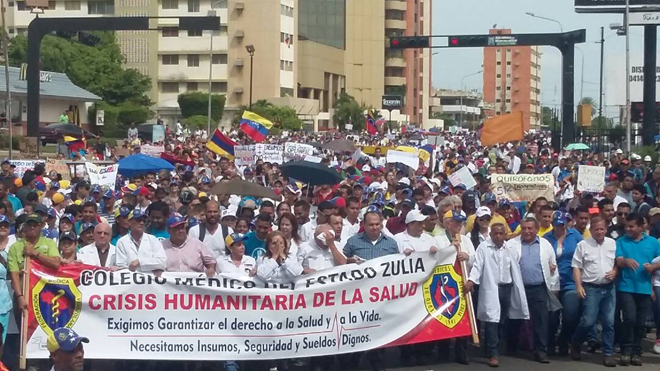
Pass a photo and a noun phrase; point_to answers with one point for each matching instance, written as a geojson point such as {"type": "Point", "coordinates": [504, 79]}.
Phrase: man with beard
{"type": "Point", "coordinates": [211, 232]}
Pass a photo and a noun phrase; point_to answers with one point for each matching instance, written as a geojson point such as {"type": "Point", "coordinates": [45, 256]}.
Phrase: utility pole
{"type": "Point", "coordinates": [602, 60]}
{"type": "Point", "coordinates": [627, 109]}
{"type": "Point", "coordinates": [5, 52]}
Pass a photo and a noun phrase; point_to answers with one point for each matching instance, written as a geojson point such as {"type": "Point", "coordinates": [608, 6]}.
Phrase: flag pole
{"type": "Point", "coordinates": [24, 316]}
{"type": "Point", "coordinates": [468, 296]}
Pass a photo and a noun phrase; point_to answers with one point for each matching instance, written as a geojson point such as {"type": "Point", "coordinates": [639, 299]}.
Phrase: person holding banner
{"type": "Point", "coordinates": [139, 251]}
{"type": "Point", "coordinates": [101, 253]}
{"type": "Point", "coordinates": [321, 252]}
{"type": "Point", "coordinates": [277, 265]}
{"type": "Point", "coordinates": [186, 253]}
{"type": "Point", "coordinates": [234, 262]}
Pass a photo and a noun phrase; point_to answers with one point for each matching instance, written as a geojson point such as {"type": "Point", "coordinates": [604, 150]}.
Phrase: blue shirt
{"type": "Point", "coordinates": [16, 204]}
{"type": "Point", "coordinates": [530, 263]}
{"type": "Point", "coordinates": [161, 235]}
{"type": "Point", "coordinates": [642, 251]}
{"type": "Point", "coordinates": [564, 259]}
{"type": "Point", "coordinates": [254, 247]}
{"type": "Point", "coordinates": [360, 245]}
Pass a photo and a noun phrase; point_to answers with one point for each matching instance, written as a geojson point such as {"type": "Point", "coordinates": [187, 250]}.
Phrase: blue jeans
{"type": "Point", "coordinates": [598, 305]}
{"type": "Point", "coordinates": [656, 310]}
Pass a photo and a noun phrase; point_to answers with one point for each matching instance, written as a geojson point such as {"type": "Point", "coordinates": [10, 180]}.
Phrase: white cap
{"type": "Point", "coordinates": [619, 151]}
{"type": "Point", "coordinates": [436, 181]}
{"type": "Point", "coordinates": [405, 181]}
{"type": "Point", "coordinates": [635, 156]}
{"type": "Point", "coordinates": [483, 211]}
{"type": "Point", "coordinates": [230, 211]}
{"type": "Point", "coordinates": [647, 158]}
{"type": "Point", "coordinates": [415, 216]}
{"type": "Point", "coordinates": [366, 168]}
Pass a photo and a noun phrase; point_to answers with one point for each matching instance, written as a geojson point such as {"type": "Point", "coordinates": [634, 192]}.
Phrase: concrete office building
{"type": "Point", "coordinates": [512, 80]}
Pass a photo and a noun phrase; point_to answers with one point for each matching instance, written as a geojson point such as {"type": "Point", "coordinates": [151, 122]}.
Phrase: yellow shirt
{"type": "Point", "coordinates": [542, 231]}
{"type": "Point", "coordinates": [496, 219]}
{"type": "Point", "coordinates": [586, 234]}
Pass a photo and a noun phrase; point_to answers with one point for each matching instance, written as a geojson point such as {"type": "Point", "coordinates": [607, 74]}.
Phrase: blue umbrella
{"type": "Point", "coordinates": [140, 164]}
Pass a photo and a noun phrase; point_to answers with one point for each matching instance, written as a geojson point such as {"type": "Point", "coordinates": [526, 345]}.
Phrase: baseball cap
{"type": "Point", "coordinates": [40, 186]}
{"type": "Point", "coordinates": [41, 208]}
{"type": "Point", "coordinates": [54, 185]}
{"type": "Point", "coordinates": [366, 168]}
{"type": "Point", "coordinates": [625, 162]}
{"type": "Point", "coordinates": [90, 199]}
{"type": "Point", "coordinates": [18, 182]}
{"type": "Point", "coordinates": [142, 191]}
{"type": "Point", "coordinates": [85, 226]}
{"type": "Point", "coordinates": [34, 218]}
{"type": "Point", "coordinates": [455, 215]}
{"type": "Point", "coordinates": [175, 220]}
{"type": "Point", "coordinates": [205, 180]}
{"type": "Point", "coordinates": [559, 218]}
{"type": "Point", "coordinates": [82, 184]}
{"type": "Point", "coordinates": [68, 235]}
{"type": "Point", "coordinates": [405, 181]}
{"type": "Point", "coordinates": [653, 212]}
{"type": "Point", "coordinates": [408, 202]}
{"type": "Point", "coordinates": [64, 339]}
{"type": "Point", "coordinates": [415, 216]}
{"type": "Point", "coordinates": [4, 219]}
{"type": "Point", "coordinates": [249, 204]}
{"type": "Point", "coordinates": [121, 211]}
{"type": "Point", "coordinates": [97, 189]}
{"type": "Point", "coordinates": [234, 238]}
{"type": "Point", "coordinates": [483, 211]}
{"type": "Point", "coordinates": [5, 161]}
{"type": "Point", "coordinates": [445, 190]}
{"type": "Point", "coordinates": [460, 186]}
{"type": "Point", "coordinates": [228, 213]}
{"type": "Point", "coordinates": [108, 194]}
{"type": "Point", "coordinates": [68, 217]}
{"type": "Point", "coordinates": [137, 214]}
{"type": "Point", "coordinates": [202, 195]}
{"type": "Point", "coordinates": [647, 158]}
{"type": "Point", "coordinates": [52, 213]}
{"type": "Point", "coordinates": [619, 151]}
{"type": "Point", "coordinates": [489, 197]}
{"type": "Point", "coordinates": [293, 188]}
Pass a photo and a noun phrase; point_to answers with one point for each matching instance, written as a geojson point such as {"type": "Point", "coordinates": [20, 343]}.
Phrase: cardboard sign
{"type": "Point", "coordinates": [22, 166]}
{"type": "Point", "coordinates": [522, 187]}
{"type": "Point", "coordinates": [59, 166]}
{"type": "Point", "coordinates": [436, 140]}
{"type": "Point", "coordinates": [297, 151]}
{"type": "Point", "coordinates": [591, 178]}
{"type": "Point", "coordinates": [103, 175]}
{"type": "Point", "coordinates": [122, 152]}
{"type": "Point", "coordinates": [406, 158]}
{"type": "Point", "coordinates": [269, 152]}
{"type": "Point", "coordinates": [314, 159]}
{"type": "Point", "coordinates": [151, 150]}
{"type": "Point", "coordinates": [463, 176]}
{"type": "Point", "coordinates": [28, 146]}
{"type": "Point", "coordinates": [158, 134]}
{"type": "Point", "coordinates": [244, 155]}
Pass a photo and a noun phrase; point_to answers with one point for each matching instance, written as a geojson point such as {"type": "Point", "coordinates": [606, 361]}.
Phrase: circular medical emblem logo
{"type": "Point", "coordinates": [56, 303]}
{"type": "Point", "coordinates": [443, 298]}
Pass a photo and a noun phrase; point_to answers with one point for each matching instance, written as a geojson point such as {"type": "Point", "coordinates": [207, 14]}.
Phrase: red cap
{"type": "Point", "coordinates": [340, 202]}
{"type": "Point", "coordinates": [144, 191]}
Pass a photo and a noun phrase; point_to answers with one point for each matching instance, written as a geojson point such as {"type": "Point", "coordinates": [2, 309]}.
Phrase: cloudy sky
{"type": "Point", "coordinates": [477, 16]}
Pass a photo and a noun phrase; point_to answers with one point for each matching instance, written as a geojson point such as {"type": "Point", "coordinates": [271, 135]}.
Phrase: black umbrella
{"type": "Point", "coordinates": [67, 129]}
{"type": "Point", "coordinates": [310, 173]}
{"type": "Point", "coordinates": [341, 145]}
{"type": "Point", "coordinates": [242, 187]}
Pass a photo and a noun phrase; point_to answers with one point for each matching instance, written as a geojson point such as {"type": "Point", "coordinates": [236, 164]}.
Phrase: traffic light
{"type": "Point", "coordinates": [410, 42]}
{"type": "Point", "coordinates": [467, 41]}
{"type": "Point", "coordinates": [88, 39]}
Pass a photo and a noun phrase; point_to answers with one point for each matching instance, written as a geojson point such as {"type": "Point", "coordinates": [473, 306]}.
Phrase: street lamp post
{"type": "Point", "coordinates": [462, 90]}
{"type": "Point", "coordinates": [250, 49]}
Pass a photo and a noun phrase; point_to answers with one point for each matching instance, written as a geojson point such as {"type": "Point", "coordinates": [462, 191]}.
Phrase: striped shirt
{"type": "Point", "coordinates": [366, 249]}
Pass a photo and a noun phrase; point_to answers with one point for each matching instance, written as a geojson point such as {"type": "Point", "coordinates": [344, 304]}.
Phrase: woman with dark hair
{"type": "Point", "coordinates": [481, 230]}
{"type": "Point", "coordinates": [277, 265]}
{"type": "Point", "coordinates": [288, 225]}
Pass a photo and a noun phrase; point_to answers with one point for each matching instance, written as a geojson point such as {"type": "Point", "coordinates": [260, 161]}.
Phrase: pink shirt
{"type": "Point", "coordinates": [192, 256]}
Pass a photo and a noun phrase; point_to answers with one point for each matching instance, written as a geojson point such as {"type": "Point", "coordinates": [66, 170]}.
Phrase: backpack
{"type": "Point", "coordinates": [202, 231]}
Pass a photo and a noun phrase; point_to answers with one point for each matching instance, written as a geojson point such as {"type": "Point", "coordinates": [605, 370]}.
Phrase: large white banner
{"type": "Point", "coordinates": [393, 300]}
{"type": "Point", "coordinates": [297, 151]}
{"type": "Point", "coordinates": [406, 158]}
{"type": "Point", "coordinates": [22, 166]}
{"type": "Point", "coordinates": [103, 175]}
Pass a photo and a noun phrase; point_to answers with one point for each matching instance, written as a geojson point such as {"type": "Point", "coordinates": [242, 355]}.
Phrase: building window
{"type": "Point", "coordinates": [508, 88]}
{"type": "Point", "coordinates": [52, 5]}
{"type": "Point", "coordinates": [286, 38]}
{"type": "Point", "coordinates": [498, 88]}
{"type": "Point", "coordinates": [191, 86]}
{"type": "Point", "coordinates": [170, 87]}
{"type": "Point", "coordinates": [286, 10]}
{"type": "Point", "coordinates": [20, 5]}
{"type": "Point", "coordinates": [72, 5]}
{"type": "Point", "coordinates": [499, 76]}
{"type": "Point", "coordinates": [101, 7]}
{"type": "Point", "coordinates": [223, 30]}
{"type": "Point", "coordinates": [508, 100]}
{"type": "Point", "coordinates": [498, 101]}
{"type": "Point", "coordinates": [194, 33]}
{"type": "Point", "coordinates": [219, 59]}
{"type": "Point", "coordinates": [170, 4]}
{"type": "Point", "coordinates": [193, 6]}
{"type": "Point", "coordinates": [508, 63]}
{"type": "Point", "coordinates": [286, 92]}
{"type": "Point", "coordinates": [193, 60]}
{"type": "Point", "coordinates": [219, 4]}
{"type": "Point", "coordinates": [508, 75]}
{"type": "Point", "coordinates": [286, 65]}
{"type": "Point", "coordinates": [219, 87]}
{"type": "Point", "coordinates": [170, 59]}
{"type": "Point", "coordinates": [170, 32]}
{"type": "Point", "coordinates": [499, 63]}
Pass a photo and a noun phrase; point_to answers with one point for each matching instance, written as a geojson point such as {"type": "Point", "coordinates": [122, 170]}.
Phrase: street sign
{"type": "Point", "coordinates": [612, 6]}
{"type": "Point", "coordinates": [644, 18]}
{"type": "Point", "coordinates": [392, 102]}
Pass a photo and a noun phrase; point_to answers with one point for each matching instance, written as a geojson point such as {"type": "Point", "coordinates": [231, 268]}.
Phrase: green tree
{"type": "Point", "coordinates": [197, 104]}
{"type": "Point", "coordinates": [196, 122]}
{"type": "Point", "coordinates": [449, 121]}
{"type": "Point", "coordinates": [282, 117]}
{"type": "Point", "coordinates": [348, 110]}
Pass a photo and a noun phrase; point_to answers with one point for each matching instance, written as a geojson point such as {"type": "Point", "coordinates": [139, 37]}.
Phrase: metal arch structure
{"type": "Point", "coordinates": [40, 27]}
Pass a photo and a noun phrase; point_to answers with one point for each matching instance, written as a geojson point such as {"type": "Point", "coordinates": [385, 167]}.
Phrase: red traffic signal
{"type": "Point", "coordinates": [454, 41]}
{"type": "Point", "coordinates": [410, 42]}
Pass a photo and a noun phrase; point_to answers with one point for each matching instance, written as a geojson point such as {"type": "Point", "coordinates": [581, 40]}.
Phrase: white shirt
{"type": "Point", "coordinates": [312, 256]}
{"type": "Point", "coordinates": [376, 162]}
{"type": "Point", "coordinates": [306, 231]}
{"type": "Point", "coordinates": [215, 241]}
{"type": "Point", "coordinates": [226, 265]}
{"type": "Point", "coordinates": [496, 258]}
{"type": "Point", "coordinates": [90, 255]}
{"type": "Point", "coordinates": [269, 271]}
{"type": "Point", "coordinates": [594, 259]}
{"type": "Point", "coordinates": [149, 253]}
{"type": "Point", "coordinates": [656, 276]}
{"type": "Point", "coordinates": [408, 242]}
{"type": "Point", "coordinates": [349, 229]}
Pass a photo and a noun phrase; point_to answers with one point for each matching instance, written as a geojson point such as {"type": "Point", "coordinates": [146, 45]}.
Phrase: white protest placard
{"type": "Point", "coordinates": [244, 155]}
{"type": "Point", "coordinates": [151, 150]}
{"type": "Point", "coordinates": [591, 178]}
{"type": "Point", "coordinates": [313, 159]}
{"type": "Point", "coordinates": [103, 175]}
{"type": "Point", "coordinates": [22, 166]}
{"type": "Point", "coordinates": [269, 152]}
{"type": "Point", "coordinates": [436, 140]}
{"type": "Point", "coordinates": [297, 151]}
{"type": "Point", "coordinates": [406, 158]}
{"type": "Point", "coordinates": [522, 187]}
{"type": "Point", "coordinates": [58, 166]}
{"type": "Point", "coordinates": [462, 176]}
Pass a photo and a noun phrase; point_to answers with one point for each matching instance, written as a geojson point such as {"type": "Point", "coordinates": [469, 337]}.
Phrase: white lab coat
{"type": "Point", "coordinates": [90, 255]}
{"type": "Point", "coordinates": [269, 271]}
{"type": "Point", "coordinates": [548, 258]}
{"type": "Point", "coordinates": [150, 253]}
{"type": "Point", "coordinates": [442, 242]}
{"type": "Point", "coordinates": [484, 274]}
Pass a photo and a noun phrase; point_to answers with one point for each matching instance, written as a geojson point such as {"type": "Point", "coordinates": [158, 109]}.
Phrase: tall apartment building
{"type": "Point", "coordinates": [408, 72]}
{"type": "Point", "coordinates": [512, 80]}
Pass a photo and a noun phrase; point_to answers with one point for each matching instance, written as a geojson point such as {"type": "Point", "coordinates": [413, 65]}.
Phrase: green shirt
{"type": "Point", "coordinates": [15, 258]}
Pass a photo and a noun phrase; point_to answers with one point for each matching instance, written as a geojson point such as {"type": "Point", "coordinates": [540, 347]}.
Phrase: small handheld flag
{"type": "Point", "coordinates": [255, 126]}
{"type": "Point", "coordinates": [221, 145]}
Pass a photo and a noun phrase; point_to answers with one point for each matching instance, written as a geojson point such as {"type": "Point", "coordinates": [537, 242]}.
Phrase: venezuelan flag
{"type": "Point", "coordinates": [255, 126]}
{"type": "Point", "coordinates": [221, 145]}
